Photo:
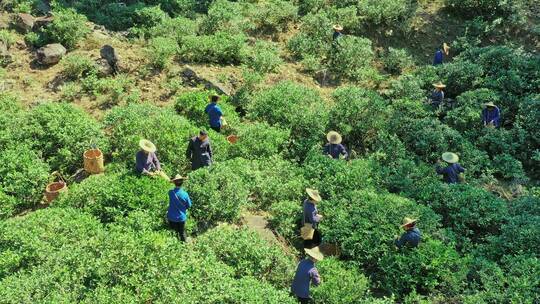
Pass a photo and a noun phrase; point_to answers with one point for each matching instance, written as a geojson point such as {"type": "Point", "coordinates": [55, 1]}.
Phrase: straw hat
{"type": "Point", "coordinates": [178, 177]}
{"type": "Point", "coordinates": [450, 157]}
{"type": "Point", "coordinates": [439, 85]}
{"type": "Point", "coordinates": [314, 195]}
{"type": "Point", "coordinates": [446, 47]}
{"type": "Point", "coordinates": [147, 146]}
{"type": "Point", "coordinates": [490, 104]}
{"type": "Point", "coordinates": [407, 221]}
{"type": "Point", "coordinates": [315, 253]}
{"type": "Point", "coordinates": [333, 137]}
{"type": "Point", "coordinates": [337, 27]}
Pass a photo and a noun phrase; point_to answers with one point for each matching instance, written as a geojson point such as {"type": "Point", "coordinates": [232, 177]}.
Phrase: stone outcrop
{"type": "Point", "coordinates": [24, 22]}
{"type": "Point", "coordinates": [51, 53]}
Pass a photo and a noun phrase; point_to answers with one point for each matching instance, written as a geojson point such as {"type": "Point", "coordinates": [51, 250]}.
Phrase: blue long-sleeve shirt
{"type": "Point", "coordinates": [437, 97]}
{"type": "Point", "coordinates": [491, 114]}
{"type": "Point", "coordinates": [214, 114]}
{"type": "Point", "coordinates": [411, 238]}
{"type": "Point", "coordinates": [179, 202]}
{"type": "Point", "coordinates": [311, 215]}
{"type": "Point", "coordinates": [146, 162]}
{"type": "Point", "coordinates": [335, 150]}
{"type": "Point", "coordinates": [438, 58]}
{"type": "Point", "coordinates": [336, 35]}
{"type": "Point", "coordinates": [306, 273]}
{"type": "Point", "coordinates": [451, 172]}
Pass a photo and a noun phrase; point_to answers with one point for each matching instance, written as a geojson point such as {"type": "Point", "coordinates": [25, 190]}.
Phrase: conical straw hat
{"type": "Point", "coordinates": [334, 137]}
{"type": "Point", "coordinates": [314, 195]}
{"type": "Point", "coordinates": [147, 146]}
{"type": "Point", "coordinates": [407, 221]}
{"type": "Point", "coordinates": [439, 85]}
{"type": "Point", "coordinates": [315, 253]}
{"type": "Point", "coordinates": [450, 157]}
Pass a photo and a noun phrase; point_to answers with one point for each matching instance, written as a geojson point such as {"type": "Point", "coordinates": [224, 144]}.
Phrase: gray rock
{"type": "Point", "coordinates": [190, 77]}
{"type": "Point", "coordinates": [108, 53]}
{"type": "Point", "coordinates": [104, 68]}
{"type": "Point", "coordinates": [51, 53]}
{"type": "Point", "coordinates": [24, 22]}
{"type": "Point", "coordinates": [43, 21]}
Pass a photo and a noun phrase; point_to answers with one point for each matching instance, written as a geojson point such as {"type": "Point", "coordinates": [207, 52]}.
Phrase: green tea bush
{"type": "Point", "coordinates": [487, 8]}
{"type": "Point", "coordinates": [160, 51]}
{"type": "Point", "coordinates": [10, 119]}
{"type": "Point", "coordinates": [192, 105]}
{"type": "Point", "coordinates": [285, 218]}
{"type": "Point", "coordinates": [272, 16]}
{"type": "Point", "coordinates": [352, 58]}
{"type": "Point", "coordinates": [528, 120]}
{"type": "Point", "coordinates": [170, 133]}
{"type": "Point", "coordinates": [341, 284]}
{"type": "Point", "coordinates": [7, 37]}
{"type": "Point", "coordinates": [259, 140]}
{"type": "Point", "coordinates": [175, 28]}
{"type": "Point", "coordinates": [509, 168]}
{"type": "Point", "coordinates": [148, 17]}
{"type": "Point", "coordinates": [386, 12]}
{"type": "Point", "coordinates": [67, 28]}
{"type": "Point", "coordinates": [218, 194]}
{"type": "Point", "coordinates": [24, 175]}
{"type": "Point", "coordinates": [221, 47]}
{"type": "Point", "coordinates": [289, 105]}
{"type": "Point", "coordinates": [113, 196]}
{"type": "Point", "coordinates": [361, 114]}
{"type": "Point", "coordinates": [314, 38]}
{"type": "Point", "coordinates": [396, 61]}
{"type": "Point", "coordinates": [8, 206]}
{"type": "Point", "coordinates": [461, 76]}
{"type": "Point", "coordinates": [432, 267]}
{"type": "Point", "coordinates": [112, 90]}
{"type": "Point", "coordinates": [249, 254]}
{"type": "Point", "coordinates": [364, 222]}
{"type": "Point", "coordinates": [62, 132]}
{"type": "Point", "coordinates": [224, 16]}
{"type": "Point", "coordinates": [263, 57]}
{"type": "Point", "coordinates": [78, 66]}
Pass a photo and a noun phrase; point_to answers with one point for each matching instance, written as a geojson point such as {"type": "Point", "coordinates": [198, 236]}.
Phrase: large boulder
{"type": "Point", "coordinates": [24, 22]}
{"type": "Point", "coordinates": [43, 21]}
{"type": "Point", "coordinates": [108, 53]}
{"type": "Point", "coordinates": [51, 53]}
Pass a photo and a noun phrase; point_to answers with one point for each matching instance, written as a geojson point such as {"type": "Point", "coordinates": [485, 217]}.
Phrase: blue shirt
{"type": "Point", "coordinates": [437, 97]}
{"type": "Point", "coordinates": [337, 35]}
{"type": "Point", "coordinates": [335, 150]}
{"type": "Point", "coordinates": [214, 114]}
{"type": "Point", "coordinates": [146, 162]}
{"type": "Point", "coordinates": [491, 114]}
{"type": "Point", "coordinates": [411, 238]}
{"type": "Point", "coordinates": [179, 202]}
{"type": "Point", "coordinates": [311, 214]}
{"type": "Point", "coordinates": [438, 59]}
{"type": "Point", "coordinates": [451, 172]}
{"type": "Point", "coordinates": [306, 273]}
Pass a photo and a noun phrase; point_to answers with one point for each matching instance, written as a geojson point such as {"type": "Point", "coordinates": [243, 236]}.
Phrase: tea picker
{"type": "Point", "coordinates": [491, 115]}
{"type": "Point", "coordinates": [310, 219]}
{"type": "Point", "coordinates": [453, 172]}
{"type": "Point", "coordinates": [199, 151]}
{"type": "Point", "coordinates": [306, 274]}
{"type": "Point", "coordinates": [334, 149]}
{"type": "Point", "coordinates": [442, 51]}
{"type": "Point", "coordinates": [411, 237]}
{"type": "Point", "coordinates": [337, 32]}
{"type": "Point", "coordinates": [215, 115]}
{"type": "Point", "coordinates": [147, 162]}
{"type": "Point", "coordinates": [179, 203]}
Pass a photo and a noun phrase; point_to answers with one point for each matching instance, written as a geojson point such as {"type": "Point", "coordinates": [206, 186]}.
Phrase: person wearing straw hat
{"type": "Point", "coordinates": [411, 237]}
{"type": "Point", "coordinates": [437, 96]}
{"type": "Point", "coordinates": [337, 32]}
{"type": "Point", "coordinates": [199, 151]}
{"type": "Point", "coordinates": [306, 274]}
{"type": "Point", "coordinates": [452, 171]}
{"type": "Point", "coordinates": [146, 161]}
{"type": "Point", "coordinates": [215, 115]}
{"type": "Point", "coordinates": [334, 149]}
{"type": "Point", "coordinates": [442, 51]}
{"type": "Point", "coordinates": [491, 115]}
{"type": "Point", "coordinates": [311, 216]}
{"type": "Point", "coordinates": [179, 203]}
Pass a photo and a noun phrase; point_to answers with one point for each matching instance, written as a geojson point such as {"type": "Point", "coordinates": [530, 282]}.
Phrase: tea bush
{"type": "Point", "coordinates": [488, 8]}
{"type": "Point", "coordinates": [396, 61]}
{"type": "Point", "coordinates": [249, 254]}
{"type": "Point", "coordinates": [7, 37]}
{"type": "Point", "coordinates": [24, 175]}
{"type": "Point", "coordinates": [175, 28]}
{"type": "Point", "coordinates": [78, 66]}
{"type": "Point", "coordinates": [113, 196]}
{"type": "Point", "coordinates": [387, 12]}
{"type": "Point", "coordinates": [10, 118]}
{"type": "Point", "coordinates": [221, 48]}
{"type": "Point", "coordinates": [259, 140]}
{"type": "Point", "coordinates": [263, 57]}
{"type": "Point", "coordinates": [67, 28]}
{"type": "Point", "coordinates": [224, 16]}
{"type": "Point", "coordinates": [192, 105]}
{"type": "Point", "coordinates": [314, 38]}
{"type": "Point", "coordinates": [352, 58]}
{"type": "Point", "coordinates": [272, 16]}
{"type": "Point", "coordinates": [169, 132]}
{"type": "Point", "coordinates": [160, 51]}
{"type": "Point", "coordinates": [62, 132]}
{"type": "Point", "coordinates": [432, 267]}
{"type": "Point", "coordinates": [8, 205]}
{"type": "Point", "coordinates": [285, 218]}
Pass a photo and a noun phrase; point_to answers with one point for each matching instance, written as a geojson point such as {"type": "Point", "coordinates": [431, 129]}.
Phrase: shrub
{"type": "Point", "coordinates": [221, 47]}
{"type": "Point", "coordinates": [363, 223]}
{"type": "Point", "coordinates": [148, 17]}
{"type": "Point", "coordinates": [314, 38]}
{"type": "Point", "coordinates": [264, 57]}
{"type": "Point", "coordinates": [113, 90]}
{"type": "Point", "coordinates": [8, 206]}
{"type": "Point", "coordinates": [160, 51]}
{"type": "Point", "coordinates": [248, 255]}
{"type": "Point", "coordinates": [528, 120]}
{"type": "Point", "coordinates": [341, 284]}
{"type": "Point", "coordinates": [23, 175]}
{"type": "Point", "coordinates": [175, 28]}
{"type": "Point", "coordinates": [272, 16]}
{"type": "Point", "coordinates": [10, 119]}
{"type": "Point", "coordinates": [259, 140]}
{"type": "Point", "coordinates": [169, 132]}
{"type": "Point", "coordinates": [113, 196]}
{"type": "Point", "coordinates": [192, 105]}
{"type": "Point", "coordinates": [352, 58]}
{"type": "Point", "coordinates": [7, 37]}
{"type": "Point", "coordinates": [397, 61]}
{"type": "Point", "coordinates": [224, 16]}
{"type": "Point", "coordinates": [285, 218]}
{"type": "Point", "coordinates": [461, 76]}
{"type": "Point", "coordinates": [289, 105]}
{"type": "Point", "coordinates": [487, 8]}
{"type": "Point", "coordinates": [62, 132]}
{"type": "Point", "coordinates": [78, 66]}
{"type": "Point", "coordinates": [67, 28]}
{"type": "Point", "coordinates": [432, 267]}
{"type": "Point", "coordinates": [509, 168]}
{"type": "Point", "coordinates": [386, 12]}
